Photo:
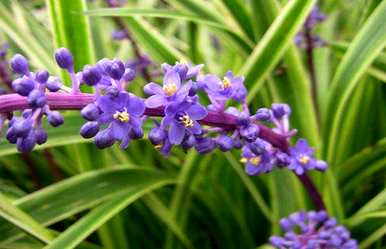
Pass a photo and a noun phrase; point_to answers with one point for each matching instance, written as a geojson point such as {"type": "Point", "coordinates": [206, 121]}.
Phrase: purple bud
{"type": "Point", "coordinates": [249, 132]}
{"type": "Point", "coordinates": [188, 142]}
{"type": "Point", "coordinates": [23, 86]}
{"type": "Point", "coordinates": [205, 145]}
{"type": "Point", "coordinates": [40, 136]}
{"type": "Point", "coordinates": [282, 159]}
{"type": "Point", "coordinates": [21, 128]}
{"type": "Point", "coordinates": [321, 165]}
{"type": "Point", "coordinates": [55, 118]}
{"type": "Point", "coordinates": [112, 91]}
{"type": "Point", "coordinates": [42, 76]}
{"type": "Point", "coordinates": [119, 34]}
{"type": "Point", "coordinates": [103, 65]}
{"type": "Point", "coordinates": [27, 144]}
{"type": "Point", "coordinates": [104, 139]}
{"type": "Point", "coordinates": [53, 84]}
{"type": "Point", "coordinates": [90, 112]}
{"type": "Point", "coordinates": [263, 114]}
{"type": "Point", "coordinates": [286, 224]}
{"type": "Point", "coordinates": [129, 75]}
{"type": "Point", "coordinates": [89, 129]}
{"type": "Point", "coordinates": [27, 113]}
{"type": "Point", "coordinates": [91, 75]}
{"type": "Point", "coordinates": [279, 110]}
{"type": "Point", "coordinates": [224, 143]}
{"type": "Point", "coordinates": [116, 69]}
{"type": "Point", "coordinates": [19, 64]}
{"type": "Point", "coordinates": [36, 98]}
{"type": "Point", "coordinates": [136, 132]}
{"type": "Point", "coordinates": [157, 135]}
{"type": "Point", "coordinates": [11, 136]}
{"type": "Point", "coordinates": [64, 59]}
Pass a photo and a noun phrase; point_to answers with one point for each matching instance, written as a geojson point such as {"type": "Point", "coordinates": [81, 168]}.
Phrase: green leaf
{"type": "Point", "coordinates": [76, 194]}
{"type": "Point", "coordinates": [374, 237]}
{"type": "Point", "coordinates": [76, 233]}
{"type": "Point", "coordinates": [26, 41]}
{"type": "Point", "coordinates": [256, 196]}
{"type": "Point", "coordinates": [375, 203]}
{"type": "Point", "coordinates": [153, 42]}
{"type": "Point", "coordinates": [295, 87]}
{"type": "Point", "coordinates": [272, 46]}
{"type": "Point", "coordinates": [72, 30]}
{"type": "Point", "coordinates": [370, 40]}
{"type": "Point", "coordinates": [22, 220]}
{"type": "Point", "coordinates": [181, 194]}
{"type": "Point", "coordinates": [165, 215]}
{"type": "Point", "coordinates": [357, 219]}
{"type": "Point", "coordinates": [68, 133]}
{"type": "Point", "coordinates": [161, 13]}
{"type": "Point", "coordinates": [241, 16]}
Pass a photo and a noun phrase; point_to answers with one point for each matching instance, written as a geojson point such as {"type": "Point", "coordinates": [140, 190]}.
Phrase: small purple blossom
{"type": "Point", "coordinates": [181, 119]}
{"type": "Point", "coordinates": [172, 91]}
{"type": "Point", "coordinates": [122, 114]}
{"type": "Point", "coordinates": [302, 158]}
{"type": "Point", "coordinates": [311, 230]}
{"type": "Point", "coordinates": [257, 157]}
{"type": "Point", "coordinates": [219, 91]}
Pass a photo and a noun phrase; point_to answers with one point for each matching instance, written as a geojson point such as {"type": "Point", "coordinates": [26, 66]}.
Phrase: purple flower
{"type": "Point", "coordinates": [219, 91]}
{"type": "Point", "coordinates": [171, 92]}
{"type": "Point", "coordinates": [302, 158]}
{"type": "Point", "coordinates": [181, 118]}
{"type": "Point", "coordinates": [185, 71]}
{"type": "Point", "coordinates": [122, 113]}
{"type": "Point", "coordinates": [257, 157]}
{"type": "Point", "coordinates": [311, 230]}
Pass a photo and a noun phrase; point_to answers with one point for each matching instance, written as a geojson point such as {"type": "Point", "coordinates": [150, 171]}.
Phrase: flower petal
{"type": "Point", "coordinates": [155, 101]}
{"type": "Point", "coordinates": [172, 77]}
{"type": "Point", "coordinates": [120, 130]}
{"type": "Point", "coordinates": [135, 106]}
{"type": "Point", "coordinates": [153, 88]}
{"type": "Point", "coordinates": [196, 112]}
{"type": "Point", "coordinates": [176, 133]}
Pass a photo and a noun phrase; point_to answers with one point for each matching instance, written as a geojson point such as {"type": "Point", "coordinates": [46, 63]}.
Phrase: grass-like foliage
{"type": "Point", "coordinates": [171, 155]}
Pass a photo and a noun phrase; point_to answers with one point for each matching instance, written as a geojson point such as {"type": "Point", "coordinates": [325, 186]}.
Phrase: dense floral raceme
{"type": "Point", "coordinates": [305, 38]}
{"type": "Point", "coordinates": [173, 108]}
{"type": "Point", "coordinates": [311, 230]}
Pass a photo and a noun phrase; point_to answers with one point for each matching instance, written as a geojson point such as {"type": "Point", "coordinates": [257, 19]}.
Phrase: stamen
{"type": "Point", "coordinates": [255, 160]}
{"type": "Point", "coordinates": [226, 83]}
{"type": "Point", "coordinates": [186, 121]}
{"type": "Point", "coordinates": [304, 160]}
{"type": "Point", "coordinates": [123, 117]}
{"type": "Point", "coordinates": [170, 89]}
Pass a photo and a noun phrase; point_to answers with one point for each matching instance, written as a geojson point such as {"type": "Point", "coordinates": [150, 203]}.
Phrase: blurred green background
{"type": "Point", "coordinates": [68, 194]}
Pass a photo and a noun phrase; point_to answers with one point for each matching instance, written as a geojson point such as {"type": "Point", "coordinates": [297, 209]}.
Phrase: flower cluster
{"type": "Point", "coordinates": [179, 118]}
{"type": "Point", "coordinates": [304, 38]}
{"type": "Point", "coordinates": [310, 230]}
{"type": "Point", "coordinates": [26, 131]}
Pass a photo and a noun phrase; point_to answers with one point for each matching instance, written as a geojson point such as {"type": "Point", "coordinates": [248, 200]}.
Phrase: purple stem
{"type": "Point", "coordinates": [67, 101]}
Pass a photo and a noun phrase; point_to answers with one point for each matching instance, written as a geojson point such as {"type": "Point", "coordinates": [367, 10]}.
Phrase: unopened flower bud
{"type": "Point", "coordinates": [89, 129]}
{"type": "Point", "coordinates": [23, 86]}
{"type": "Point", "coordinates": [19, 64]}
{"type": "Point", "coordinates": [64, 59]}
{"type": "Point", "coordinates": [55, 118]}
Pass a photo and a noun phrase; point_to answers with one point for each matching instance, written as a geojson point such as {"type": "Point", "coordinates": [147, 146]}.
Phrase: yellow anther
{"type": "Point", "coordinates": [170, 89]}
{"type": "Point", "coordinates": [226, 83]}
{"type": "Point", "coordinates": [122, 116]}
{"type": "Point", "coordinates": [304, 159]}
{"type": "Point", "coordinates": [243, 160]}
{"type": "Point", "coordinates": [186, 121]}
{"type": "Point", "coordinates": [255, 160]}
{"type": "Point", "coordinates": [158, 146]}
